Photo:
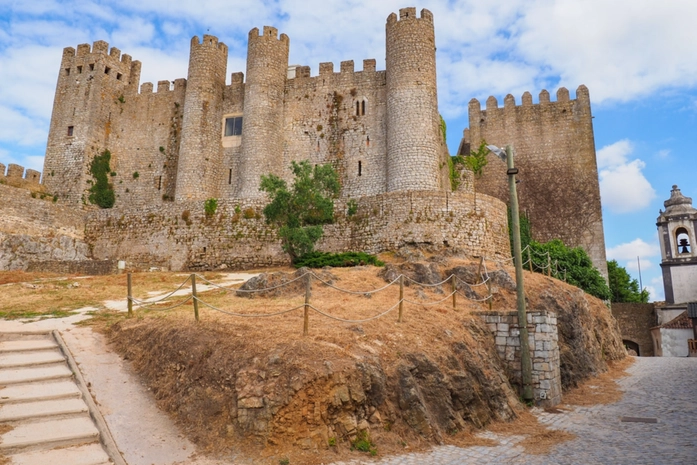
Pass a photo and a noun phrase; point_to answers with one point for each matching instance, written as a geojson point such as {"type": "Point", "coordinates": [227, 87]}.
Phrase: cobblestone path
{"type": "Point", "coordinates": [660, 388]}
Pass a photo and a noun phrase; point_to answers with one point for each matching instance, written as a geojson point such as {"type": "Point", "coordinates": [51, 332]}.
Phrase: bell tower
{"type": "Point", "coordinates": [677, 226]}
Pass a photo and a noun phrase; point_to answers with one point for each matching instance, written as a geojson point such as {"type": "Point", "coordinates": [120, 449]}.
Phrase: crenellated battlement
{"type": "Point", "coordinates": [17, 176]}
{"type": "Point", "coordinates": [562, 98]}
{"type": "Point", "coordinates": [209, 41]}
{"type": "Point", "coordinates": [409, 14]}
{"type": "Point", "coordinates": [326, 70]}
{"type": "Point", "coordinates": [268, 33]}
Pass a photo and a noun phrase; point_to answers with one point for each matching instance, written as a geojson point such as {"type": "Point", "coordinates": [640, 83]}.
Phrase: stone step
{"type": "Point", "coordinates": [27, 345]}
{"type": "Point", "coordinates": [33, 374]}
{"type": "Point", "coordinates": [41, 409]}
{"type": "Point", "coordinates": [24, 359]}
{"type": "Point", "coordinates": [89, 454]}
{"type": "Point", "coordinates": [26, 336]}
{"type": "Point", "coordinates": [49, 434]}
{"type": "Point", "coordinates": [39, 391]}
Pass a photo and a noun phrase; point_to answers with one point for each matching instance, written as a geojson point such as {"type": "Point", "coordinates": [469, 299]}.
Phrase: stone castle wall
{"type": "Point", "coordinates": [33, 228]}
{"type": "Point", "coordinates": [544, 351]}
{"type": "Point", "coordinates": [16, 176]}
{"type": "Point", "coordinates": [181, 237]}
{"type": "Point", "coordinates": [554, 149]}
{"type": "Point", "coordinates": [635, 321]}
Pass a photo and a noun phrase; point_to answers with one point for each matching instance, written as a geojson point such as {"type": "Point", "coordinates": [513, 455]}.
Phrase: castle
{"type": "Point", "coordinates": [200, 138]}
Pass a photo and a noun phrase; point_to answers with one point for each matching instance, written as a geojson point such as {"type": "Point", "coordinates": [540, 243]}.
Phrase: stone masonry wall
{"type": "Point", "coordinates": [544, 351]}
{"type": "Point", "coordinates": [17, 176]}
{"type": "Point", "coordinates": [635, 321]}
{"type": "Point", "coordinates": [554, 149]}
{"type": "Point", "coordinates": [181, 237]}
{"type": "Point", "coordinates": [36, 229]}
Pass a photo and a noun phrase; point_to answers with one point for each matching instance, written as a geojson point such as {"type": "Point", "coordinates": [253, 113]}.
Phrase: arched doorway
{"type": "Point", "coordinates": [631, 346]}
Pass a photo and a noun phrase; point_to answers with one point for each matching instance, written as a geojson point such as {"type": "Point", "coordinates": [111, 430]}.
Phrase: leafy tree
{"type": "Point", "coordinates": [300, 211]}
{"type": "Point", "coordinates": [101, 192]}
{"type": "Point", "coordinates": [579, 268]}
{"type": "Point", "coordinates": [476, 160]}
{"type": "Point", "coordinates": [622, 286]}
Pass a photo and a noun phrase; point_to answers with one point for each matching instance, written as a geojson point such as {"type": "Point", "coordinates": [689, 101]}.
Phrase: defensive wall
{"type": "Point", "coordinates": [554, 149]}
{"type": "Point", "coordinates": [35, 228]}
{"type": "Point", "coordinates": [635, 321]}
{"type": "Point", "coordinates": [17, 176]}
{"type": "Point", "coordinates": [181, 236]}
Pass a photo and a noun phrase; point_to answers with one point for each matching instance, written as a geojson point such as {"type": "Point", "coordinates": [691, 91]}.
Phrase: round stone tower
{"type": "Point", "coordinates": [413, 123]}
{"type": "Point", "coordinates": [200, 153]}
{"type": "Point", "coordinates": [262, 124]}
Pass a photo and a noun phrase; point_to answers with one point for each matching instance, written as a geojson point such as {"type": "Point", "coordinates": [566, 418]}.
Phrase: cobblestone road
{"type": "Point", "coordinates": [661, 388]}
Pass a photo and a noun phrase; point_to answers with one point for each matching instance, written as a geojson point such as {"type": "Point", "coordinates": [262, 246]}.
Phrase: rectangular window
{"type": "Point", "coordinates": [233, 126]}
{"type": "Point", "coordinates": [70, 130]}
{"type": "Point", "coordinates": [79, 69]}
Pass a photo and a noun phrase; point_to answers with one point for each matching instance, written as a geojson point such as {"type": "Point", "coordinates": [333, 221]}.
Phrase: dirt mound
{"type": "Point", "coordinates": [309, 394]}
{"type": "Point", "coordinates": [257, 383]}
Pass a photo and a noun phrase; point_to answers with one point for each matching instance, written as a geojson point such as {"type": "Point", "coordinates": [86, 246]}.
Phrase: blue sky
{"type": "Point", "coordinates": [637, 58]}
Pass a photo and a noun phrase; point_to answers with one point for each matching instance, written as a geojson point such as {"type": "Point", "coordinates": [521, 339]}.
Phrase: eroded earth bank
{"type": "Point", "coordinates": [257, 385]}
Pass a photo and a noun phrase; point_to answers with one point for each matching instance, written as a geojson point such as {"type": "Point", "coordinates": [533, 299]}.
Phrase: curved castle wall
{"type": "Point", "coordinates": [200, 158]}
{"type": "Point", "coordinates": [413, 122]}
{"type": "Point", "coordinates": [262, 126]}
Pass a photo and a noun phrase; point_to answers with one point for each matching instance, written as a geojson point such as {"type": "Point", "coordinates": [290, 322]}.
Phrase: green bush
{"type": "Point", "coordinates": [336, 260]}
{"type": "Point", "coordinates": [578, 266]}
{"type": "Point", "coordinates": [300, 211]}
{"type": "Point", "coordinates": [101, 192]}
{"type": "Point", "coordinates": [622, 286]}
{"type": "Point", "coordinates": [211, 206]}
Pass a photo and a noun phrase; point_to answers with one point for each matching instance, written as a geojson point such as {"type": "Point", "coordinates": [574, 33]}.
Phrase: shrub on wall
{"type": "Point", "coordinates": [211, 206]}
{"type": "Point", "coordinates": [337, 260]}
{"type": "Point", "coordinates": [101, 192]}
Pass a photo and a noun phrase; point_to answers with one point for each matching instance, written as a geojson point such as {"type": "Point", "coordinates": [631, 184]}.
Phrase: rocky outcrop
{"type": "Point", "coordinates": [306, 392]}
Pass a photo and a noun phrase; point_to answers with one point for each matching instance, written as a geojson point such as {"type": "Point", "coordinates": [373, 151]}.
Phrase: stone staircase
{"type": "Point", "coordinates": [47, 416]}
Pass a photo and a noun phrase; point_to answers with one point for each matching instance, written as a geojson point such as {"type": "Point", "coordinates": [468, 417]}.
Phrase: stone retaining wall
{"type": "Point", "coordinates": [180, 236]}
{"type": "Point", "coordinates": [544, 351]}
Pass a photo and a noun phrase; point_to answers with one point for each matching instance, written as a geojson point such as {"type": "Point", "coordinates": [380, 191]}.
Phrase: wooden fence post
{"type": "Point", "coordinates": [453, 283]}
{"type": "Point", "coordinates": [488, 286]}
{"type": "Point", "coordinates": [195, 295]}
{"type": "Point", "coordinates": [549, 265]}
{"type": "Point", "coordinates": [130, 295]}
{"type": "Point", "coordinates": [306, 322]}
{"type": "Point", "coordinates": [529, 259]}
{"type": "Point", "coordinates": [401, 297]}
{"type": "Point", "coordinates": [479, 270]}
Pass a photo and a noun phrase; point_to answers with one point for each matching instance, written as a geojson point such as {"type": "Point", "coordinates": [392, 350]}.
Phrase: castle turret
{"type": "Point", "coordinates": [262, 124]}
{"type": "Point", "coordinates": [200, 155]}
{"type": "Point", "coordinates": [413, 123]}
{"type": "Point", "coordinates": [92, 83]}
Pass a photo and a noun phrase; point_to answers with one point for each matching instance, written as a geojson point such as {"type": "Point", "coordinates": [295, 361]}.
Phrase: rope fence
{"type": "Point", "coordinates": [456, 285]}
{"type": "Point", "coordinates": [550, 268]}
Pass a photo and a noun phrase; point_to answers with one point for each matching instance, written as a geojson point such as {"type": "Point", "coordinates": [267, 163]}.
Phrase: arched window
{"type": "Point", "coordinates": [682, 239]}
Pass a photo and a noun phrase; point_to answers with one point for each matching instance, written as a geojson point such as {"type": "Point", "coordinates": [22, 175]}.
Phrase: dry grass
{"type": "Point", "coordinates": [29, 295]}
{"type": "Point", "coordinates": [538, 438]}
{"type": "Point", "coordinates": [602, 389]}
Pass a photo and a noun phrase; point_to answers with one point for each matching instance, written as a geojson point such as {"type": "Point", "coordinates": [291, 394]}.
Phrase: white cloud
{"type": "Point", "coordinates": [631, 250]}
{"type": "Point", "coordinates": [623, 186]}
{"type": "Point", "coordinates": [663, 154]}
{"type": "Point", "coordinates": [656, 289]}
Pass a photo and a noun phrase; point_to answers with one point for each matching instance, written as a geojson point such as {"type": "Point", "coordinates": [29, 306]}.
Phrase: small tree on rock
{"type": "Point", "coordinates": [300, 211]}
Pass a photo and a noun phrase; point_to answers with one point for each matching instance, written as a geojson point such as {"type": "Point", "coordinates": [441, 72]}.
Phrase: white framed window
{"type": "Point", "coordinates": [232, 126]}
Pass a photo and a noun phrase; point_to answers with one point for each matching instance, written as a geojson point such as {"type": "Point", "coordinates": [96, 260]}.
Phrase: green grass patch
{"type": "Point", "coordinates": [336, 260]}
{"type": "Point", "coordinates": [24, 314]}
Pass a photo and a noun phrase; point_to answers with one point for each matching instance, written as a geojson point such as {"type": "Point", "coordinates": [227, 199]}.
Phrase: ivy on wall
{"type": "Point", "coordinates": [101, 192]}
